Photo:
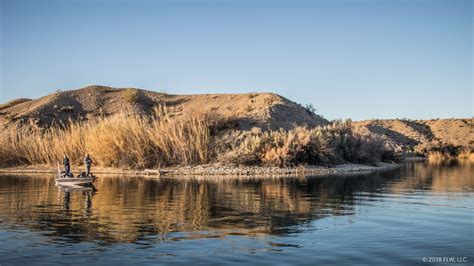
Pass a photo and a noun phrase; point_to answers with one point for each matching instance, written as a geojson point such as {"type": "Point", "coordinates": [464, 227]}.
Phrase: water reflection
{"type": "Point", "coordinates": [85, 192]}
{"type": "Point", "coordinates": [450, 176]}
{"type": "Point", "coordinates": [140, 210]}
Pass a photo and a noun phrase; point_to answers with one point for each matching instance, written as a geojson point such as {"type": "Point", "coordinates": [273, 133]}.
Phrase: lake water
{"type": "Point", "coordinates": [420, 212]}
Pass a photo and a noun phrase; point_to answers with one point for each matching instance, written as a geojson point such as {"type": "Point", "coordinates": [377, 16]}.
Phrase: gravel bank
{"type": "Point", "coordinates": [213, 170]}
{"type": "Point", "coordinates": [205, 170]}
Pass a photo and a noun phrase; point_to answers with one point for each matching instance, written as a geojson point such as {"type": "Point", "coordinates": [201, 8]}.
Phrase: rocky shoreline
{"type": "Point", "coordinates": [215, 170]}
{"type": "Point", "coordinates": [204, 170]}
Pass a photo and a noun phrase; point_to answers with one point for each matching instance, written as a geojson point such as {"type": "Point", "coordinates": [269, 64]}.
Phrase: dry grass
{"type": "Point", "coordinates": [13, 103]}
{"type": "Point", "coordinates": [438, 156]}
{"type": "Point", "coordinates": [466, 155]}
{"type": "Point", "coordinates": [319, 146]}
{"type": "Point", "coordinates": [441, 155]}
{"type": "Point", "coordinates": [438, 152]}
{"type": "Point", "coordinates": [118, 141]}
{"type": "Point", "coordinates": [132, 141]}
{"type": "Point", "coordinates": [131, 95]}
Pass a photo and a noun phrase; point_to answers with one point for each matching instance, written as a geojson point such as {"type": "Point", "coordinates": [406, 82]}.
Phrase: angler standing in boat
{"type": "Point", "coordinates": [67, 166]}
{"type": "Point", "coordinates": [88, 162]}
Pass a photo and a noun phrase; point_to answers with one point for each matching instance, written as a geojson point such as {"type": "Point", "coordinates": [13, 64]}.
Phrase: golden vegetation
{"type": "Point", "coordinates": [119, 141]}
{"type": "Point", "coordinates": [439, 152]}
{"type": "Point", "coordinates": [441, 156]}
{"type": "Point", "coordinates": [319, 146]}
{"type": "Point", "coordinates": [131, 95]}
{"type": "Point", "coordinates": [133, 141]}
{"type": "Point", "coordinates": [13, 103]}
{"type": "Point", "coordinates": [466, 155]}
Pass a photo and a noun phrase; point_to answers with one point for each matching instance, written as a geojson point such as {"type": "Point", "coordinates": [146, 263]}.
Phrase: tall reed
{"type": "Point", "coordinates": [121, 140]}
{"type": "Point", "coordinates": [132, 141]}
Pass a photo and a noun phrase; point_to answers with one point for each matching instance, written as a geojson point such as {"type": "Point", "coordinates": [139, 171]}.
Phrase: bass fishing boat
{"type": "Point", "coordinates": [66, 180]}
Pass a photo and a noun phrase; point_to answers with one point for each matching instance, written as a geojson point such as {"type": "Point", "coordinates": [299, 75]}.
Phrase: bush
{"type": "Point", "coordinates": [133, 141]}
{"type": "Point", "coordinates": [320, 146]}
{"type": "Point", "coordinates": [437, 151]}
{"type": "Point", "coordinates": [131, 95]}
{"type": "Point", "coordinates": [105, 89]}
{"type": "Point", "coordinates": [466, 154]}
{"type": "Point", "coordinates": [310, 108]}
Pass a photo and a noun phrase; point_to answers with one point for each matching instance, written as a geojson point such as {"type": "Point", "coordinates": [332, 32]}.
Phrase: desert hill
{"type": "Point", "coordinates": [244, 111]}
{"type": "Point", "coordinates": [434, 132]}
{"type": "Point", "coordinates": [237, 111]}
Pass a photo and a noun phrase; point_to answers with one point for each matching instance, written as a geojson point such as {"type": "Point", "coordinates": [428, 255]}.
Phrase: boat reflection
{"type": "Point", "coordinates": [134, 209]}
{"type": "Point", "coordinates": [83, 191]}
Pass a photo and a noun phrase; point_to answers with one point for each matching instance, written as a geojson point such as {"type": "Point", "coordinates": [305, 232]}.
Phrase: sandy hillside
{"type": "Point", "coordinates": [409, 133]}
{"type": "Point", "coordinates": [238, 111]}
{"type": "Point", "coordinates": [243, 111]}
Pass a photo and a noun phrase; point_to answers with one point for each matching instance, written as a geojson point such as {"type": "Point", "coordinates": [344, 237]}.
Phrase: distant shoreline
{"type": "Point", "coordinates": [215, 170]}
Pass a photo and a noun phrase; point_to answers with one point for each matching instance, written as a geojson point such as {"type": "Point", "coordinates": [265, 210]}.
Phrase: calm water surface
{"type": "Point", "coordinates": [397, 217]}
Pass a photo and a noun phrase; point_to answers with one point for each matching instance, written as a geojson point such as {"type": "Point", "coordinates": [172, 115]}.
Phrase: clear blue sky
{"type": "Point", "coordinates": [360, 59]}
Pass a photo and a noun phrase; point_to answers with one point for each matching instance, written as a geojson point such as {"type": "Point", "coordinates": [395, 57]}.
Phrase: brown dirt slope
{"type": "Point", "coordinates": [243, 111]}
{"type": "Point", "coordinates": [409, 133]}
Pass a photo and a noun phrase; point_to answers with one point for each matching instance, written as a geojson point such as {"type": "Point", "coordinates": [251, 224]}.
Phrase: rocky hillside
{"type": "Point", "coordinates": [410, 133]}
{"type": "Point", "coordinates": [242, 111]}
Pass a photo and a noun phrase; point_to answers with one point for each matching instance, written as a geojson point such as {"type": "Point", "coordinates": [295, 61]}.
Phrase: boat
{"type": "Point", "coordinates": [69, 180]}
{"type": "Point", "coordinates": [76, 188]}
{"type": "Point", "coordinates": [75, 180]}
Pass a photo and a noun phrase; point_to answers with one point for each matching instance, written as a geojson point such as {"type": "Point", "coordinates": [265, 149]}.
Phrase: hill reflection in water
{"type": "Point", "coordinates": [140, 210]}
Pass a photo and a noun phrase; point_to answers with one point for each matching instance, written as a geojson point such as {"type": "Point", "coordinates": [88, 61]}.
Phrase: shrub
{"type": "Point", "coordinates": [105, 89]}
{"type": "Point", "coordinates": [444, 151]}
{"type": "Point", "coordinates": [249, 108]}
{"type": "Point", "coordinates": [433, 147]}
{"type": "Point", "coordinates": [125, 140]}
{"type": "Point", "coordinates": [466, 154]}
{"type": "Point", "coordinates": [310, 108]}
{"type": "Point", "coordinates": [252, 94]}
{"type": "Point", "coordinates": [320, 146]}
{"type": "Point", "coordinates": [131, 95]}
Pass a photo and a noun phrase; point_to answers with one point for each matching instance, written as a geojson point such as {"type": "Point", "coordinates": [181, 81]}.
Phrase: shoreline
{"type": "Point", "coordinates": [215, 170]}
{"type": "Point", "coordinates": [263, 171]}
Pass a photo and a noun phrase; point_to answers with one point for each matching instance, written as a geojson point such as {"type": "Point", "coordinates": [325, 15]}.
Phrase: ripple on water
{"type": "Point", "coordinates": [383, 218]}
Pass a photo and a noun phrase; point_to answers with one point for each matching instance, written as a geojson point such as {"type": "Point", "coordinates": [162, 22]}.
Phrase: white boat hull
{"type": "Point", "coordinates": [74, 181]}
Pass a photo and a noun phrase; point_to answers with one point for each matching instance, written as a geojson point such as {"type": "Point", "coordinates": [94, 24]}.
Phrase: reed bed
{"type": "Point", "coordinates": [123, 140]}
{"type": "Point", "coordinates": [131, 141]}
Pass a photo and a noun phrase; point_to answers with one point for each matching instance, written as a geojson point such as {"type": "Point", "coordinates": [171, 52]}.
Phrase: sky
{"type": "Point", "coordinates": [358, 59]}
